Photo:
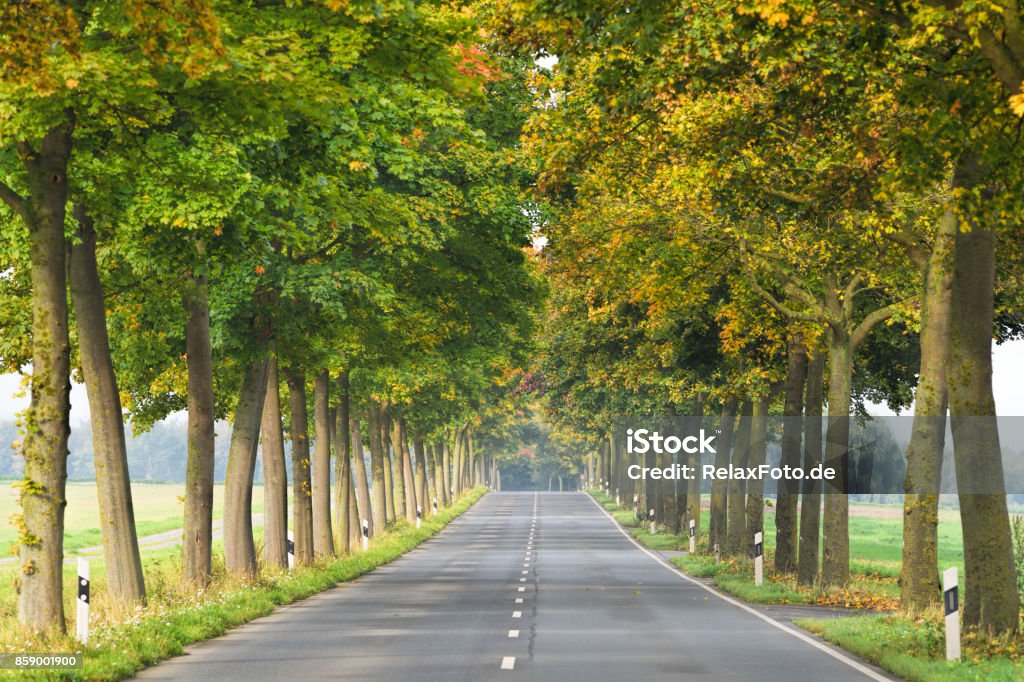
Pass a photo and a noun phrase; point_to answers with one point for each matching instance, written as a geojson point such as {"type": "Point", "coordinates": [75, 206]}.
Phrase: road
{"type": "Point", "coordinates": [524, 586]}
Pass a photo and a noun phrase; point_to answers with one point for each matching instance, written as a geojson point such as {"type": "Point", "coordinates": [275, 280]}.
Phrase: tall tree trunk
{"type": "Point", "coordinates": [275, 474]}
{"type": "Point", "coordinates": [736, 531]}
{"type": "Point", "coordinates": [835, 569]}
{"type": "Point", "coordinates": [810, 510]}
{"type": "Point", "coordinates": [361, 479]}
{"type": "Point", "coordinates": [117, 516]}
{"type": "Point", "coordinates": [239, 547]}
{"type": "Point", "coordinates": [407, 474]}
{"type": "Point", "coordinates": [446, 468]}
{"type": "Point", "coordinates": [342, 466]}
{"type": "Point", "coordinates": [45, 448]}
{"type": "Point", "coordinates": [377, 468]}
{"type": "Point", "coordinates": [432, 476]}
{"type": "Point", "coordinates": [421, 472]}
{"type": "Point", "coordinates": [919, 577]}
{"type": "Point", "coordinates": [992, 602]}
{"type": "Point", "coordinates": [755, 487]}
{"type": "Point", "coordinates": [693, 485]}
{"type": "Point", "coordinates": [197, 549]}
{"type": "Point", "coordinates": [788, 490]}
{"type": "Point", "coordinates": [719, 488]}
{"type": "Point", "coordinates": [302, 500]}
{"type": "Point", "coordinates": [323, 536]}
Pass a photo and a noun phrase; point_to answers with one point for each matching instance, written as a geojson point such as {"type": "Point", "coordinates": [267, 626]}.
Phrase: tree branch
{"type": "Point", "coordinates": [862, 330]}
{"type": "Point", "coordinates": [774, 302]}
{"type": "Point", "coordinates": [790, 285]}
{"type": "Point", "coordinates": [13, 199]}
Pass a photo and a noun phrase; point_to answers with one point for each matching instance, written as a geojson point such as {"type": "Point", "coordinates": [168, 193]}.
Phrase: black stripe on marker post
{"type": "Point", "coordinates": [951, 600]}
{"type": "Point", "coordinates": [758, 549]}
{"type": "Point", "coordinates": [83, 589]}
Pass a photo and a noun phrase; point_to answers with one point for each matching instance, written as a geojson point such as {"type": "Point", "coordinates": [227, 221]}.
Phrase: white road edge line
{"type": "Point", "coordinates": [517, 614]}
{"type": "Point", "coordinates": [519, 600]}
{"type": "Point", "coordinates": [508, 663]}
{"type": "Point", "coordinates": [788, 630]}
{"type": "Point", "coordinates": [513, 634]}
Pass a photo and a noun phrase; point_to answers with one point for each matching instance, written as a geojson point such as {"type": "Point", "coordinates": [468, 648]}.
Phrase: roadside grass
{"type": "Point", "coordinates": [176, 616]}
{"type": "Point", "coordinates": [158, 509]}
{"type": "Point", "coordinates": [915, 649]}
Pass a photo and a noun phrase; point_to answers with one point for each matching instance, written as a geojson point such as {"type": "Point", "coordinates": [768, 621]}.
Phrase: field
{"type": "Point", "coordinates": [158, 508]}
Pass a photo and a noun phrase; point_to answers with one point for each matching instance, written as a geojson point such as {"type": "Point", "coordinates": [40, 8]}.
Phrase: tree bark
{"type": "Point", "coordinates": [275, 474]}
{"type": "Point", "coordinates": [342, 466]}
{"type": "Point", "coordinates": [693, 485]}
{"type": "Point", "coordinates": [755, 487]}
{"type": "Point", "coordinates": [239, 547]}
{"type": "Point", "coordinates": [810, 510]}
{"type": "Point", "coordinates": [198, 534]}
{"type": "Point", "coordinates": [323, 536]}
{"type": "Point", "coordinates": [919, 577]}
{"type": "Point", "coordinates": [835, 568]}
{"type": "Point", "coordinates": [125, 581]}
{"type": "Point", "coordinates": [302, 501]}
{"type": "Point", "coordinates": [421, 472]}
{"type": "Point", "coordinates": [990, 584]}
{"type": "Point", "coordinates": [719, 488]}
{"type": "Point", "coordinates": [789, 491]}
{"type": "Point", "coordinates": [446, 472]}
{"type": "Point", "coordinates": [736, 531]}
{"type": "Point", "coordinates": [365, 512]}
{"type": "Point", "coordinates": [411, 500]}
{"type": "Point", "coordinates": [45, 447]}
{"type": "Point", "coordinates": [377, 468]}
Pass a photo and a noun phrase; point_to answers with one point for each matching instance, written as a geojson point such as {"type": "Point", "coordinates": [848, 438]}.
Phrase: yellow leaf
{"type": "Point", "coordinates": [1017, 102]}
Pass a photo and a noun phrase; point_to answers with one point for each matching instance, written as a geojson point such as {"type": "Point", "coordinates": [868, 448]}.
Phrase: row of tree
{"type": "Point", "coordinates": [767, 207]}
{"type": "Point", "coordinates": [323, 197]}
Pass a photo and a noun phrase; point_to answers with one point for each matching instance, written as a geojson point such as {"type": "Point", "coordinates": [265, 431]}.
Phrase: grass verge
{"type": "Point", "coordinates": [915, 648]}
{"type": "Point", "coordinates": [176, 617]}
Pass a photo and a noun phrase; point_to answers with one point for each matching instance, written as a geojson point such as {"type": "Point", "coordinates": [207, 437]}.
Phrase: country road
{"type": "Point", "coordinates": [529, 586]}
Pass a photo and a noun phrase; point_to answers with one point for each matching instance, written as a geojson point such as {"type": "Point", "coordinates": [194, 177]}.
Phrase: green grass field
{"type": "Point", "coordinates": [158, 508]}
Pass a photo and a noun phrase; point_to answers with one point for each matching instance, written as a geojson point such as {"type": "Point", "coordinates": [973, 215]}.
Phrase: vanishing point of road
{"type": "Point", "coordinates": [523, 586]}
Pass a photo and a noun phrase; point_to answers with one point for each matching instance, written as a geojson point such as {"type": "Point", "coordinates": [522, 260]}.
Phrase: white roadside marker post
{"type": "Point", "coordinates": [366, 535]}
{"type": "Point", "coordinates": [693, 539]}
{"type": "Point", "coordinates": [290, 547]}
{"type": "Point", "coordinates": [435, 505]}
{"type": "Point", "coordinates": [419, 513]}
{"type": "Point", "coordinates": [758, 558]}
{"type": "Point", "coordinates": [636, 506]}
{"type": "Point", "coordinates": [718, 553]}
{"type": "Point", "coordinates": [951, 606]}
{"type": "Point", "coordinates": [82, 619]}
{"type": "Point", "coordinates": [650, 515]}
{"type": "Point", "coordinates": [617, 502]}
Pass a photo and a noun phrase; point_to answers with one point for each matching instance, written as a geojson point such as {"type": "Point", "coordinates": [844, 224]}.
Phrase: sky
{"type": "Point", "coordinates": [1007, 362]}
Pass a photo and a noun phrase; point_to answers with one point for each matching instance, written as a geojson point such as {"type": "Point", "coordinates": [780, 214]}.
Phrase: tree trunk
{"type": "Point", "coordinates": [408, 479]}
{"type": "Point", "coordinates": [835, 570]}
{"type": "Point", "coordinates": [446, 469]}
{"type": "Point", "coordinates": [755, 487]}
{"type": "Point", "coordinates": [719, 489]}
{"type": "Point", "coordinates": [990, 584]}
{"type": "Point", "coordinates": [788, 490]}
{"type": "Point", "coordinates": [361, 479]}
{"type": "Point", "coordinates": [45, 448]}
{"type": "Point", "coordinates": [302, 500]}
{"type": "Point", "coordinates": [377, 468]}
{"type": "Point", "coordinates": [275, 474]}
{"type": "Point", "coordinates": [198, 535]}
{"type": "Point", "coordinates": [919, 578]}
{"type": "Point", "coordinates": [342, 466]}
{"type": "Point", "coordinates": [117, 516]}
{"type": "Point", "coordinates": [736, 525]}
{"type": "Point", "coordinates": [810, 510]}
{"type": "Point", "coordinates": [693, 485]}
{"type": "Point", "coordinates": [239, 547]}
{"type": "Point", "coordinates": [421, 472]}
{"type": "Point", "coordinates": [323, 536]}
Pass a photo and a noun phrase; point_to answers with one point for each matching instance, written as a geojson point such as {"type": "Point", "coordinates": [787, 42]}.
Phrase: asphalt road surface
{"type": "Point", "coordinates": [524, 586]}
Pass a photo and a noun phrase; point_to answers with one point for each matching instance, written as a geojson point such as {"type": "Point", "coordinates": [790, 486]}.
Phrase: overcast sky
{"type": "Point", "coordinates": [1007, 360]}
